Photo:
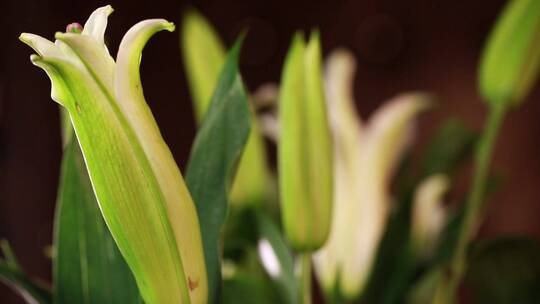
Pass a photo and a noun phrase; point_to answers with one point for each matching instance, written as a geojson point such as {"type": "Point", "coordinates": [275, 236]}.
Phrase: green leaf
{"type": "Point", "coordinates": [305, 148]}
{"type": "Point", "coordinates": [140, 190]}
{"type": "Point", "coordinates": [214, 156]}
{"type": "Point", "coordinates": [277, 258]}
{"type": "Point", "coordinates": [88, 268]}
{"type": "Point", "coordinates": [450, 146]}
{"type": "Point", "coordinates": [252, 181]}
{"type": "Point", "coordinates": [510, 62]}
{"type": "Point", "coordinates": [391, 271]}
{"type": "Point", "coordinates": [424, 290]}
{"type": "Point", "coordinates": [246, 288]}
{"type": "Point", "coordinates": [12, 275]}
{"type": "Point", "coordinates": [204, 56]}
{"type": "Point", "coordinates": [504, 271]}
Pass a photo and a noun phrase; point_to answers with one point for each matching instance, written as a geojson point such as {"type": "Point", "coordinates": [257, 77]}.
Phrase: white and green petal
{"type": "Point", "coordinates": [346, 130]}
{"type": "Point", "coordinates": [139, 187]}
{"type": "Point", "coordinates": [365, 156]}
{"type": "Point", "coordinates": [429, 214]}
{"type": "Point", "coordinates": [383, 144]}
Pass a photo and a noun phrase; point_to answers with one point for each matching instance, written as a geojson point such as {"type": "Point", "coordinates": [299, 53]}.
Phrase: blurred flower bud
{"type": "Point", "coordinates": [304, 147]}
{"type": "Point", "coordinates": [511, 58]}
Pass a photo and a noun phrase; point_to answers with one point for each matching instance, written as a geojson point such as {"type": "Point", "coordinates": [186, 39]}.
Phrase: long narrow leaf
{"type": "Point", "coordinates": [204, 57]}
{"type": "Point", "coordinates": [88, 268]}
{"type": "Point", "coordinates": [214, 156]}
{"type": "Point", "coordinates": [30, 291]}
{"type": "Point", "coordinates": [13, 275]}
{"type": "Point", "coordinates": [277, 258]}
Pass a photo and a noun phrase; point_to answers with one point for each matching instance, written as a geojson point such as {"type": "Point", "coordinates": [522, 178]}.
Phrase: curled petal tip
{"type": "Point", "coordinates": [35, 58]}
{"type": "Point", "coordinates": [109, 9]}
{"type": "Point", "coordinates": [163, 24]}
{"type": "Point", "coordinates": [169, 26]}
{"type": "Point", "coordinates": [42, 46]}
{"type": "Point", "coordinates": [60, 35]}
{"type": "Point", "coordinates": [24, 37]}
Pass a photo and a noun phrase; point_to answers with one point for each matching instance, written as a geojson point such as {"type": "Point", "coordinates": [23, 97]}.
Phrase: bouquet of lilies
{"type": "Point", "coordinates": [348, 216]}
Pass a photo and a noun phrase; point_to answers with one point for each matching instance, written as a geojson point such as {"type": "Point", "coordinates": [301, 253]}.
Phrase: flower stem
{"type": "Point", "coordinates": [473, 208]}
{"type": "Point", "coordinates": [306, 278]}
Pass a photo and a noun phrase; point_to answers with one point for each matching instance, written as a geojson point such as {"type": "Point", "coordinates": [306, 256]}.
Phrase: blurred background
{"type": "Point", "coordinates": [430, 45]}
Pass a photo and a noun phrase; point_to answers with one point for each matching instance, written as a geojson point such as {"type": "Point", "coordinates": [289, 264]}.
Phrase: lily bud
{"type": "Point", "coordinates": [74, 28]}
{"type": "Point", "coordinates": [139, 188]}
{"type": "Point", "coordinates": [304, 148]}
{"type": "Point", "coordinates": [511, 58]}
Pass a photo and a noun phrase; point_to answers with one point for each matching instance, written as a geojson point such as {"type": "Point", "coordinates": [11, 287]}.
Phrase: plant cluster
{"type": "Point", "coordinates": [347, 209]}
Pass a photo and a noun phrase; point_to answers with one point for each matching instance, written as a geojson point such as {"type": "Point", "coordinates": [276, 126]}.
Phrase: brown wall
{"type": "Point", "coordinates": [401, 45]}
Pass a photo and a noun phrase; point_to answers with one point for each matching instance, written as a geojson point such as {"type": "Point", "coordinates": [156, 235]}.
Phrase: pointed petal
{"type": "Point", "coordinates": [42, 46]}
{"type": "Point", "coordinates": [345, 126]}
{"type": "Point", "coordinates": [97, 23]}
{"type": "Point", "coordinates": [384, 142]}
{"type": "Point", "coordinates": [59, 90]}
{"type": "Point", "coordinates": [131, 102]}
{"type": "Point", "coordinates": [93, 56]}
{"type": "Point", "coordinates": [339, 84]}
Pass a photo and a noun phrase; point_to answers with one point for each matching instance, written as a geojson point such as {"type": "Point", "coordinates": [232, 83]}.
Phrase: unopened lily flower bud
{"type": "Point", "coordinates": [511, 58]}
{"type": "Point", "coordinates": [139, 188]}
{"type": "Point", "coordinates": [74, 28]}
{"type": "Point", "coordinates": [304, 148]}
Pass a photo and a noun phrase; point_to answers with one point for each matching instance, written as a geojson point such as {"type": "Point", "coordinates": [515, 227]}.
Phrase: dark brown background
{"type": "Point", "coordinates": [429, 45]}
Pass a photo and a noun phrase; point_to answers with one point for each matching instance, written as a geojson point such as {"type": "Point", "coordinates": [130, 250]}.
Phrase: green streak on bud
{"type": "Point", "coordinates": [305, 148]}
{"type": "Point", "coordinates": [510, 62]}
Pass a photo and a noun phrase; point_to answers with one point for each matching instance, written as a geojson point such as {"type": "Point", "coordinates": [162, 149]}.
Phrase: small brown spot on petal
{"type": "Point", "coordinates": [192, 284]}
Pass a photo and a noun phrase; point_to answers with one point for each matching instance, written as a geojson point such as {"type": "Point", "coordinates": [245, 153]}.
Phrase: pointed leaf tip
{"type": "Point", "coordinates": [203, 55]}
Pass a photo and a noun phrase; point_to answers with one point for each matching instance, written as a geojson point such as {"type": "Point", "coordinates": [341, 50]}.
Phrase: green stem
{"type": "Point", "coordinates": [483, 154]}
{"type": "Point", "coordinates": [306, 278]}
